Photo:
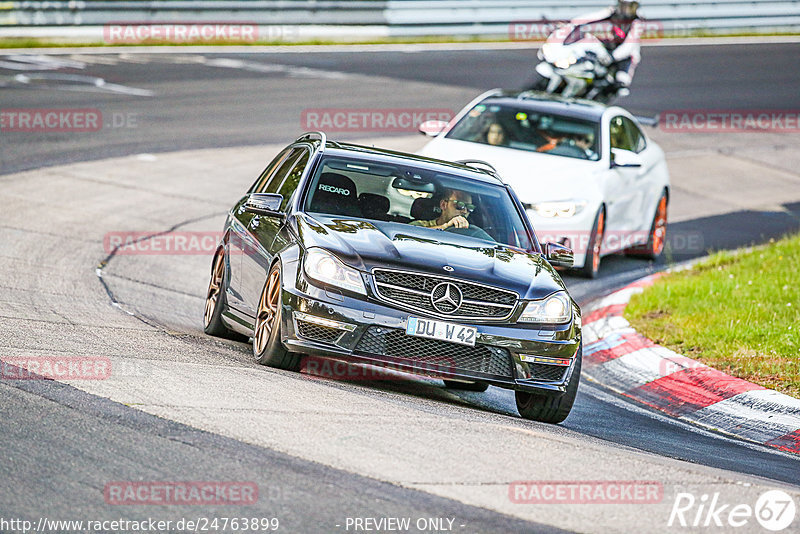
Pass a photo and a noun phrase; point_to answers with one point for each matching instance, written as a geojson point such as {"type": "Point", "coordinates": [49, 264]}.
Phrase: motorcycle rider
{"type": "Point", "coordinates": [622, 41]}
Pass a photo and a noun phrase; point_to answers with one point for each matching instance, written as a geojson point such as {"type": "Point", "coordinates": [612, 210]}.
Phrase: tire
{"type": "Point", "coordinates": [591, 265]}
{"type": "Point", "coordinates": [216, 302]}
{"type": "Point", "coordinates": [658, 234]}
{"type": "Point", "coordinates": [268, 348]}
{"type": "Point", "coordinates": [547, 409]}
{"type": "Point", "coordinates": [466, 386]}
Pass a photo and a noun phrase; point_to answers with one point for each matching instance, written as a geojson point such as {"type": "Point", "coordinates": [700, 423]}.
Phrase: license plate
{"type": "Point", "coordinates": [454, 333]}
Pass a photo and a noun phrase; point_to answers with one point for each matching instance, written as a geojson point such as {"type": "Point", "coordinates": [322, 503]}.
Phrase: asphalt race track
{"type": "Point", "coordinates": [195, 408]}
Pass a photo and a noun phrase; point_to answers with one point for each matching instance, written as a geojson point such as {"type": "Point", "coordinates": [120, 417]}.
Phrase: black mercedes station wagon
{"type": "Point", "coordinates": [376, 257]}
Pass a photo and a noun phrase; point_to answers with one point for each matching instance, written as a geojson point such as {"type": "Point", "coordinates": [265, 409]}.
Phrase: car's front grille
{"type": "Point", "coordinates": [315, 332]}
{"type": "Point", "coordinates": [415, 291]}
{"type": "Point", "coordinates": [434, 354]}
{"type": "Point", "coordinates": [551, 373]}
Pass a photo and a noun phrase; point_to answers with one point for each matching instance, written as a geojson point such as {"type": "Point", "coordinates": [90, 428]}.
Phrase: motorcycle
{"type": "Point", "coordinates": [575, 63]}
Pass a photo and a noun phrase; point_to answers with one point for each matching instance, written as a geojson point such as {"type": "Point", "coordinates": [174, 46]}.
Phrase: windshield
{"type": "Point", "coordinates": [430, 201]}
{"type": "Point", "coordinates": [533, 131]}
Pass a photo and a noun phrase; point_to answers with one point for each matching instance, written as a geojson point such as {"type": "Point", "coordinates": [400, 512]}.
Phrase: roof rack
{"type": "Point", "coordinates": [480, 165]}
{"type": "Point", "coordinates": [308, 136]}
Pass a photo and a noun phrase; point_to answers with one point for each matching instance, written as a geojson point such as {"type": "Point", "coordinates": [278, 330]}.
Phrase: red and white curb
{"type": "Point", "coordinates": [615, 355]}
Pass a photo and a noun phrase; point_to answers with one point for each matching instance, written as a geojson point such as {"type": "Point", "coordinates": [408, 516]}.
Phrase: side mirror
{"type": "Point", "coordinates": [264, 204]}
{"type": "Point", "coordinates": [625, 158]}
{"type": "Point", "coordinates": [432, 128]}
{"type": "Point", "coordinates": [558, 255]}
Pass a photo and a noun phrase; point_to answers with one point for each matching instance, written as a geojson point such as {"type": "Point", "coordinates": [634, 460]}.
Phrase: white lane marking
{"type": "Point", "coordinates": [622, 296]}
{"type": "Point", "coordinates": [593, 390]}
{"type": "Point", "coordinates": [605, 327]}
{"type": "Point", "coordinates": [289, 70]}
{"type": "Point", "coordinates": [38, 62]}
{"type": "Point", "coordinates": [760, 415]}
{"type": "Point", "coordinates": [637, 368]}
{"type": "Point", "coordinates": [133, 58]}
{"type": "Point", "coordinates": [77, 82]}
{"type": "Point", "coordinates": [96, 59]}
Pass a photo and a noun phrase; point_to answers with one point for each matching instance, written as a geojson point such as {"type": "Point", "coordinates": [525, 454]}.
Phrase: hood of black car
{"type": "Point", "coordinates": [368, 244]}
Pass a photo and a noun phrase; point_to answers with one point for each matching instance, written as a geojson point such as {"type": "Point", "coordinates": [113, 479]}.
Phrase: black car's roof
{"type": "Point", "coordinates": [544, 102]}
{"type": "Point", "coordinates": [389, 156]}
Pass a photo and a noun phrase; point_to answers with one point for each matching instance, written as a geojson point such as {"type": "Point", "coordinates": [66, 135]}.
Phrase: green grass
{"type": "Point", "coordinates": [737, 312]}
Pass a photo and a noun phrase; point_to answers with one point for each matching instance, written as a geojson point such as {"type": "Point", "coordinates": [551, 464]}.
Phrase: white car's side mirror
{"type": "Point", "coordinates": [432, 128]}
{"type": "Point", "coordinates": [625, 158]}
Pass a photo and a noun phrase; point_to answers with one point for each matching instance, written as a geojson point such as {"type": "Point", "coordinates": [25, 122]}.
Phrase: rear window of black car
{"type": "Point", "coordinates": [387, 193]}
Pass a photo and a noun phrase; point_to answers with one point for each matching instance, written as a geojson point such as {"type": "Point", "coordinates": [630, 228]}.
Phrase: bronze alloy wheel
{"type": "Point", "coordinates": [268, 348]}
{"type": "Point", "coordinates": [214, 289]}
{"type": "Point", "coordinates": [658, 233]}
{"type": "Point", "coordinates": [267, 311]}
{"type": "Point", "coordinates": [591, 264]}
{"type": "Point", "coordinates": [597, 242]}
{"type": "Point", "coordinates": [657, 237]}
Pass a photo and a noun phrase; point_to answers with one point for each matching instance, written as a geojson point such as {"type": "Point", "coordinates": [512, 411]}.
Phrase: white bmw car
{"type": "Point", "coordinates": [588, 175]}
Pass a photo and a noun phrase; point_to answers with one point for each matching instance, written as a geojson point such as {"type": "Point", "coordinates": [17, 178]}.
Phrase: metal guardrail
{"type": "Point", "coordinates": [399, 17]}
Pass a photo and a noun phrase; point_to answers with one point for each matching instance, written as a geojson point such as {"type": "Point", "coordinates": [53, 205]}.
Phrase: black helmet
{"type": "Point", "coordinates": [627, 8]}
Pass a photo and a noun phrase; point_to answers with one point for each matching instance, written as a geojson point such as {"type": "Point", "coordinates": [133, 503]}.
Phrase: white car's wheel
{"type": "Point", "coordinates": [591, 266]}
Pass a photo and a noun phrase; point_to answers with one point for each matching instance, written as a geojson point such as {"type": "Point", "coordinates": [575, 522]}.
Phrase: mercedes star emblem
{"type": "Point", "coordinates": [446, 297]}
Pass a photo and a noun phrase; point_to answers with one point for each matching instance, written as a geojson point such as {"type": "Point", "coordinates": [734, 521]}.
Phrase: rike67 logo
{"type": "Point", "coordinates": [774, 511]}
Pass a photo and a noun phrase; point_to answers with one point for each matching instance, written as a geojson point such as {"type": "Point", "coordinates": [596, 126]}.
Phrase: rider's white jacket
{"type": "Point", "coordinates": [622, 43]}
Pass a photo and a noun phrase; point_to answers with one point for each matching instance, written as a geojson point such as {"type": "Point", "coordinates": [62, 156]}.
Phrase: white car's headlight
{"type": "Point", "coordinates": [565, 208]}
{"type": "Point", "coordinates": [556, 308]}
{"type": "Point", "coordinates": [322, 266]}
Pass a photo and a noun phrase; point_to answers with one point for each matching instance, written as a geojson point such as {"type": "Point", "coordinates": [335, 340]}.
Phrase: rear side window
{"type": "Point", "coordinates": [274, 181]}
{"type": "Point", "coordinates": [638, 140]}
{"type": "Point", "coordinates": [261, 183]}
{"type": "Point", "coordinates": [619, 134]}
{"type": "Point", "coordinates": [289, 185]}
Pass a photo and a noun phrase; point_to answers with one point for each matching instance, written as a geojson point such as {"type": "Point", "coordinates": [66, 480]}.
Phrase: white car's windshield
{"type": "Point", "coordinates": [533, 131]}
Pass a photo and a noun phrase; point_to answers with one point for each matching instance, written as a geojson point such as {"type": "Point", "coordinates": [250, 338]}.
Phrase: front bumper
{"type": "Point", "coordinates": [324, 322]}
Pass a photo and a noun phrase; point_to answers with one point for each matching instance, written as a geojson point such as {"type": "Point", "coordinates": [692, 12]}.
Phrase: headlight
{"type": "Point", "coordinates": [322, 266]}
{"type": "Point", "coordinates": [556, 308]}
{"type": "Point", "coordinates": [566, 208]}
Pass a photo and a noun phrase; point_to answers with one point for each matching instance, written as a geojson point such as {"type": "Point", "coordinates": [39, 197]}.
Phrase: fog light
{"type": "Point", "coordinates": [321, 321]}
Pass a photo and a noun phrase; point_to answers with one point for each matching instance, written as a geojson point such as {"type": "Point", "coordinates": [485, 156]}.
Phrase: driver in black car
{"type": "Point", "coordinates": [456, 207]}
